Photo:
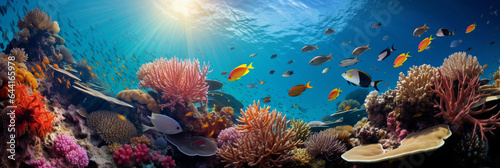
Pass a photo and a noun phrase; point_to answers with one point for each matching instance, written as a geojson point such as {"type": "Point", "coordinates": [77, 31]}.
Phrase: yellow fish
{"type": "Point", "coordinates": [401, 59]}
{"type": "Point", "coordinates": [204, 125]}
{"type": "Point", "coordinates": [239, 71]}
{"type": "Point", "coordinates": [122, 117]}
{"type": "Point", "coordinates": [188, 114]}
{"type": "Point", "coordinates": [220, 120]}
{"type": "Point", "coordinates": [334, 94]}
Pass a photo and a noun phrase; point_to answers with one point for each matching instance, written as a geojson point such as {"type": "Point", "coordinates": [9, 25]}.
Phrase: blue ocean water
{"type": "Point", "coordinates": [117, 36]}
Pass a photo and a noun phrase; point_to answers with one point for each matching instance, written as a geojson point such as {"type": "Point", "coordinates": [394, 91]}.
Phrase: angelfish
{"type": "Point", "coordinates": [163, 123]}
{"type": "Point", "coordinates": [360, 78]}
{"type": "Point", "coordinates": [385, 53]}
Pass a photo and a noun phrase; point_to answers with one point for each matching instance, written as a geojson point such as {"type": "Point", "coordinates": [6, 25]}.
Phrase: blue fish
{"type": "Point", "coordinates": [455, 43]}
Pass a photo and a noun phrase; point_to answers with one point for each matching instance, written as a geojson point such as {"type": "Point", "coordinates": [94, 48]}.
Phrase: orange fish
{"type": "Point", "coordinates": [376, 68]}
{"type": "Point", "coordinates": [97, 63]}
{"type": "Point", "coordinates": [220, 120]}
{"type": "Point", "coordinates": [188, 114]}
{"type": "Point", "coordinates": [387, 83]}
{"type": "Point", "coordinates": [56, 66]}
{"type": "Point", "coordinates": [37, 75]}
{"type": "Point", "coordinates": [46, 60]}
{"type": "Point", "coordinates": [334, 94]}
{"type": "Point", "coordinates": [106, 85]}
{"type": "Point", "coordinates": [25, 38]}
{"type": "Point", "coordinates": [69, 68]}
{"type": "Point", "coordinates": [347, 108]}
{"type": "Point", "coordinates": [44, 67]}
{"type": "Point", "coordinates": [103, 74]}
{"type": "Point", "coordinates": [89, 67]}
{"type": "Point", "coordinates": [355, 108]}
{"type": "Point", "coordinates": [401, 59]}
{"type": "Point", "coordinates": [211, 133]}
{"type": "Point", "coordinates": [261, 82]}
{"type": "Point", "coordinates": [59, 80]}
{"type": "Point", "coordinates": [204, 125]}
{"type": "Point", "coordinates": [32, 69]}
{"type": "Point", "coordinates": [213, 123]}
{"type": "Point", "coordinates": [267, 99]}
{"type": "Point", "coordinates": [127, 88]}
{"type": "Point", "coordinates": [39, 68]}
{"type": "Point", "coordinates": [122, 117]}
{"type": "Point", "coordinates": [208, 116]}
{"type": "Point", "coordinates": [84, 61]}
{"type": "Point", "coordinates": [424, 43]}
{"type": "Point", "coordinates": [298, 89]}
{"type": "Point", "coordinates": [470, 28]}
{"type": "Point", "coordinates": [239, 71]}
{"type": "Point", "coordinates": [485, 65]}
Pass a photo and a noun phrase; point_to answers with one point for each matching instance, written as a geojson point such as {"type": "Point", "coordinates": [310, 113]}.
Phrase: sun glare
{"type": "Point", "coordinates": [177, 8]}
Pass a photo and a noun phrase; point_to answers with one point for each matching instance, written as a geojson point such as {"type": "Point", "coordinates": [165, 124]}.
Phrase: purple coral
{"type": "Point", "coordinates": [72, 152]}
{"type": "Point", "coordinates": [141, 153]}
{"type": "Point", "coordinates": [228, 136]}
{"type": "Point", "coordinates": [165, 161]}
{"type": "Point", "coordinates": [40, 163]}
{"type": "Point", "coordinates": [123, 155]}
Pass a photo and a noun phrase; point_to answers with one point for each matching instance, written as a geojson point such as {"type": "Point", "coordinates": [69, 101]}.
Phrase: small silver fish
{"type": "Point", "coordinates": [376, 25]}
{"type": "Point", "coordinates": [349, 61]}
{"type": "Point", "coordinates": [346, 42]}
{"type": "Point", "coordinates": [253, 55]}
{"type": "Point", "coordinates": [251, 85]}
{"type": "Point", "coordinates": [290, 62]}
{"type": "Point", "coordinates": [325, 70]}
{"type": "Point", "coordinates": [164, 124]}
{"type": "Point", "coordinates": [308, 48]}
{"type": "Point", "coordinates": [287, 74]}
{"type": "Point", "coordinates": [320, 59]}
{"type": "Point", "coordinates": [385, 38]}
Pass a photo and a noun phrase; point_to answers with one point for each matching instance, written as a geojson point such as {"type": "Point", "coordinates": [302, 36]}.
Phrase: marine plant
{"type": "Point", "coordinates": [31, 116]}
{"type": "Point", "coordinates": [350, 102]}
{"type": "Point", "coordinates": [179, 81]}
{"type": "Point", "coordinates": [265, 140]}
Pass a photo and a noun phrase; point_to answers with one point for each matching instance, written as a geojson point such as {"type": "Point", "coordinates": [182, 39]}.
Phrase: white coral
{"type": "Point", "coordinates": [459, 62]}
{"type": "Point", "coordinates": [415, 87]}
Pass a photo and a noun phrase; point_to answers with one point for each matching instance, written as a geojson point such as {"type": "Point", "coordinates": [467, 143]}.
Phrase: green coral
{"type": "Point", "coordinates": [301, 129]}
{"type": "Point", "coordinates": [350, 102]}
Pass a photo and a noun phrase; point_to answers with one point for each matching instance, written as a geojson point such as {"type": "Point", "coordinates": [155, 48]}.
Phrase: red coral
{"type": "Point", "coordinates": [162, 160]}
{"type": "Point", "coordinates": [123, 155]}
{"type": "Point", "coordinates": [141, 153]}
{"type": "Point", "coordinates": [455, 103]}
{"type": "Point", "coordinates": [31, 116]}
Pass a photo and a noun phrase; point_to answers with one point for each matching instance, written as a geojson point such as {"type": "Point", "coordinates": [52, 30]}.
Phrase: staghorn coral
{"type": "Point", "coordinates": [265, 141]}
{"type": "Point", "coordinates": [35, 18]}
{"type": "Point", "coordinates": [415, 87]}
{"type": "Point", "coordinates": [301, 129]}
{"type": "Point", "coordinates": [110, 127]}
{"type": "Point", "coordinates": [456, 101]}
{"type": "Point", "coordinates": [325, 145]}
{"type": "Point", "coordinates": [350, 102]}
{"type": "Point", "coordinates": [458, 64]}
{"type": "Point", "coordinates": [140, 140]}
{"type": "Point", "coordinates": [31, 116]}
{"type": "Point", "coordinates": [301, 157]}
{"type": "Point", "coordinates": [141, 97]}
{"type": "Point", "coordinates": [19, 54]}
{"type": "Point", "coordinates": [228, 136]}
{"type": "Point", "coordinates": [179, 81]}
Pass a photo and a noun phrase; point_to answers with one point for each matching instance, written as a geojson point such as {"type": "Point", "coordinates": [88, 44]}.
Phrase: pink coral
{"type": "Point", "coordinates": [455, 102]}
{"type": "Point", "coordinates": [228, 136]}
{"type": "Point", "coordinates": [123, 155]}
{"type": "Point", "coordinates": [165, 161]}
{"type": "Point", "coordinates": [141, 153]}
{"type": "Point", "coordinates": [40, 163]}
{"type": "Point", "coordinates": [179, 81]}
{"type": "Point", "coordinates": [72, 152]}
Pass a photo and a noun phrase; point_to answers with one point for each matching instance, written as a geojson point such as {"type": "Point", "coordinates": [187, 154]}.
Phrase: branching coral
{"type": "Point", "coordinates": [301, 129]}
{"type": "Point", "coordinates": [415, 87]}
{"type": "Point", "coordinates": [179, 81]}
{"type": "Point", "coordinates": [350, 102]}
{"type": "Point", "coordinates": [141, 97]}
{"type": "Point", "coordinates": [458, 64]}
{"type": "Point", "coordinates": [455, 102]}
{"type": "Point", "coordinates": [140, 140]}
{"type": "Point", "coordinates": [110, 127]}
{"type": "Point", "coordinates": [31, 116]}
{"type": "Point", "coordinates": [265, 141]}
{"type": "Point", "coordinates": [19, 54]}
{"type": "Point", "coordinates": [325, 145]}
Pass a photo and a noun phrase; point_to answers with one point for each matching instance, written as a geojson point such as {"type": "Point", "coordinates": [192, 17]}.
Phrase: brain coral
{"type": "Point", "coordinates": [110, 127]}
{"type": "Point", "coordinates": [459, 62]}
{"type": "Point", "coordinates": [351, 102]}
{"type": "Point", "coordinates": [416, 86]}
{"type": "Point", "coordinates": [141, 97]}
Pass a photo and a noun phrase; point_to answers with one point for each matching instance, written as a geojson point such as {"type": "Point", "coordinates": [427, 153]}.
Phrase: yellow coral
{"type": "Point", "coordinates": [114, 147]}
{"type": "Point", "coordinates": [318, 164]}
{"type": "Point", "coordinates": [302, 129]}
{"type": "Point", "coordinates": [301, 156]}
{"type": "Point", "coordinates": [24, 76]}
{"type": "Point", "coordinates": [142, 139]}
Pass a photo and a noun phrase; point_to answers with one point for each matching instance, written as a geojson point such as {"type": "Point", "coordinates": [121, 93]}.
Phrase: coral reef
{"type": "Point", "coordinates": [325, 145]}
{"type": "Point", "coordinates": [350, 102]}
{"type": "Point", "coordinates": [179, 81]}
{"type": "Point", "coordinates": [301, 157]}
{"type": "Point", "coordinates": [368, 134]}
{"type": "Point", "coordinates": [215, 122]}
{"type": "Point", "coordinates": [140, 156]}
{"type": "Point", "coordinates": [31, 116]}
{"type": "Point", "coordinates": [416, 86]}
{"type": "Point", "coordinates": [460, 63]}
{"type": "Point", "coordinates": [265, 141]}
{"type": "Point", "coordinates": [111, 127]}
{"type": "Point", "coordinates": [140, 140]}
{"type": "Point", "coordinates": [74, 154]}
{"type": "Point", "coordinates": [228, 136]}
{"type": "Point", "coordinates": [378, 107]}
{"type": "Point", "coordinates": [470, 151]}
{"type": "Point", "coordinates": [301, 129]}
{"type": "Point", "coordinates": [141, 97]}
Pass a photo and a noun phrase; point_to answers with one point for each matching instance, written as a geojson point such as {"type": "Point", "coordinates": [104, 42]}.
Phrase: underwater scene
{"type": "Point", "coordinates": [249, 83]}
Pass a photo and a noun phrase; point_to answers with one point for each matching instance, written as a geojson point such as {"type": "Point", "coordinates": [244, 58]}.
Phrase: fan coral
{"type": "Point", "coordinates": [301, 156]}
{"type": "Point", "coordinates": [141, 97]}
{"type": "Point", "coordinates": [179, 81]}
{"type": "Point", "coordinates": [36, 18]}
{"type": "Point", "coordinates": [31, 116]}
{"type": "Point", "coordinates": [19, 54]}
{"type": "Point", "coordinates": [458, 64]}
{"type": "Point", "coordinates": [455, 102]}
{"type": "Point", "coordinates": [73, 153]}
{"type": "Point", "coordinates": [140, 140]}
{"type": "Point", "coordinates": [228, 136]}
{"type": "Point", "coordinates": [301, 129]}
{"type": "Point", "coordinates": [350, 102]}
{"type": "Point", "coordinates": [416, 87]}
{"type": "Point", "coordinates": [358, 95]}
{"type": "Point", "coordinates": [325, 145]}
{"type": "Point", "coordinates": [265, 141]}
{"type": "Point", "coordinates": [110, 127]}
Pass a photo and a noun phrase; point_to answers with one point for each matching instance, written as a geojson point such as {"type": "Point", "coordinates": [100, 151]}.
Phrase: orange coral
{"type": "Point", "coordinates": [31, 116]}
{"type": "Point", "coordinates": [24, 76]}
{"type": "Point", "coordinates": [249, 116]}
{"type": "Point", "coordinates": [142, 139]}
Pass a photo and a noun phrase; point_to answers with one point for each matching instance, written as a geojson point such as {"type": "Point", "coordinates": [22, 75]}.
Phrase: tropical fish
{"type": "Point", "coordinates": [385, 53]}
{"type": "Point", "coordinates": [325, 70]}
{"type": "Point", "coordinates": [329, 31]}
{"type": "Point", "coordinates": [360, 50]}
{"type": "Point", "coordinates": [428, 47]}
{"type": "Point", "coordinates": [346, 42]}
{"type": "Point", "coordinates": [424, 43]}
{"type": "Point", "coordinates": [347, 108]}
{"type": "Point", "coordinates": [485, 65]}
{"type": "Point", "coordinates": [470, 28]}
{"type": "Point", "coordinates": [420, 30]}
{"type": "Point", "coordinates": [188, 114]}
{"type": "Point", "coordinates": [455, 43]}
{"type": "Point", "coordinates": [232, 48]}
{"type": "Point", "coordinates": [267, 99]}
{"type": "Point", "coordinates": [468, 49]}
{"type": "Point", "coordinates": [164, 124]}
{"type": "Point", "coordinates": [349, 61]}
{"type": "Point", "coordinates": [122, 117]}
{"type": "Point", "coordinates": [251, 85]}
{"type": "Point", "coordinates": [239, 71]}
{"type": "Point", "coordinates": [261, 82]}
{"type": "Point", "coordinates": [444, 32]}
{"type": "Point", "coordinates": [253, 55]}
{"type": "Point", "coordinates": [223, 73]}
{"type": "Point", "coordinates": [271, 72]}
{"type": "Point", "coordinates": [205, 125]}
{"type": "Point", "coordinates": [385, 38]}
{"type": "Point", "coordinates": [287, 73]}
{"type": "Point", "coordinates": [334, 94]}
{"type": "Point", "coordinates": [298, 89]}
{"type": "Point", "coordinates": [491, 43]}
{"type": "Point", "coordinates": [401, 59]}
{"type": "Point", "coordinates": [376, 25]}
{"type": "Point", "coordinates": [355, 108]}
{"type": "Point", "coordinates": [274, 56]}
{"type": "Point", "coordinates": [359, 78]}
{"type": "Point", "coordinates": [290, 62]}
{"type": "Point", "coordinates": [308, 48]}
{"type": "Point", "coordinates": [320, 59]}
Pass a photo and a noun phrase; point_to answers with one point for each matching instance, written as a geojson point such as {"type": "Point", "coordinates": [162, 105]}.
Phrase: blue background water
{"type": "Point", "coordinates": [113, 33]}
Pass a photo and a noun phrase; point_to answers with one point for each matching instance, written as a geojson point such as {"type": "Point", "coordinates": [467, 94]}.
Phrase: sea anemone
{"type": "Point", "coordinates": [325, 145]}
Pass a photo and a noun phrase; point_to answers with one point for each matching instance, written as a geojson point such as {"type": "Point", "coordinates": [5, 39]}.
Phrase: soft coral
{"type": "Point", "coordinates": [31, 115]}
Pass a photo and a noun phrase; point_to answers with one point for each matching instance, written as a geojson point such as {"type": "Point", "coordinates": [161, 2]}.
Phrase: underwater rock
{"type": "Point", "coordinates": [67, 56]}
{"type": "Point", "coordinates": [214, 85]}
{"type": "Point", "coordinates": [161, 143]}
{"type": "Point", "coordinates": [193, 146]}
